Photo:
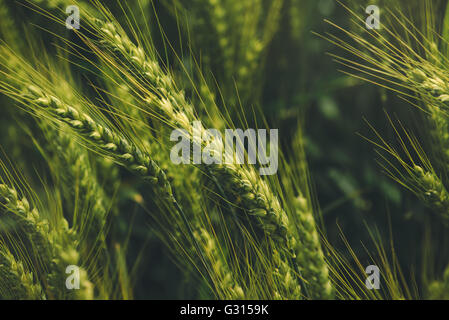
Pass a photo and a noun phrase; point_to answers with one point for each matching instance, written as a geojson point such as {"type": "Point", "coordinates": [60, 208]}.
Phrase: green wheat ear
{"type": "Point", "coordinates": [224, 279]}
{"type": "Point", "coordinates": [310, 255]}
{"type": "Point", "coordinates": [432, 192]}
{"type": "Point", "coordinates": [15, 281]}
{"type": "Point", "coordinates": [123, 151]}
{"type": "Point", "coordinates": [52, 249]}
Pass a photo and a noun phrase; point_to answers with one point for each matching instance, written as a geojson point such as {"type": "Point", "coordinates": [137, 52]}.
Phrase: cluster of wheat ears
{"type": "Point", "coordinates": [96, 110]}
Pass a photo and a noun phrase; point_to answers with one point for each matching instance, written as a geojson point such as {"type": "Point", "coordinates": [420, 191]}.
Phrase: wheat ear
{"type": "Point", "coordinates": [15, 281]}
{"type": "Point", "coordinates": [54, 248]}
{"type": "Point", "coordinates": [310, 257]}
{"type": "Point", "coordinates": [118, 147]}
{"type": "Point", "coordinates": [432, 192]}
{"type": "Point", "coordinates": [222, 275]}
